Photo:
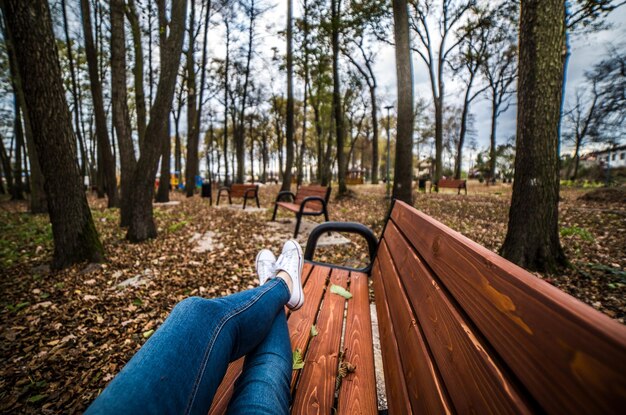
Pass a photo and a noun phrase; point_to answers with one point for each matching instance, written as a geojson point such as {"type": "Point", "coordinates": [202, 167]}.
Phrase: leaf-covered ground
{"type": "Point", "coordinates": [64, 335]}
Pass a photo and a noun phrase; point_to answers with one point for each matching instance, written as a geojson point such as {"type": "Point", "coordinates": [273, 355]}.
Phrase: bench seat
{"type": "Point", "coordinates": [296, 208]}
{"type": "Point", "coordinates": [331, 314]}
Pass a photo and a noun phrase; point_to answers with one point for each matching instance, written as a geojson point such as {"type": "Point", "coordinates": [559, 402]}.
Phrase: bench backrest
{"type": "Point", "coordinates": [312, 190]}
{"type": "Point", "coordinates": [464, 330]}
{"type": "Point", "coordinates": [239, 190]}
{"type": "Point", "coordinates": [451, 183]}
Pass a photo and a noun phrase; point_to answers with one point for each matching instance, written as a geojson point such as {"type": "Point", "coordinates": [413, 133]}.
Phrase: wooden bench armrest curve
{"type": "Point", "coordinates": [349, 227]}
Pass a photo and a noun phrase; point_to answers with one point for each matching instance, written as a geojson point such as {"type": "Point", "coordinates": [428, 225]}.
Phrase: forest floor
{"type": "Point", "coordinates": [64, 335]}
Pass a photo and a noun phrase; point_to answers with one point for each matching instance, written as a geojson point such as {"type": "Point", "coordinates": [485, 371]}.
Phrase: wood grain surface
{"type": "Point", "coordinates": [569, 357]}
{"type": "Point", "coordinates": [316, 387]}
{"type": "Point", "coordinates": [357, 393]}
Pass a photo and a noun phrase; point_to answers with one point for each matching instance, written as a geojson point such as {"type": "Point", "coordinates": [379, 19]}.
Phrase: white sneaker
{"type": "Point", "coordinates": [265, 265]}
{"type": "Point", "coordinates": [291, 261]}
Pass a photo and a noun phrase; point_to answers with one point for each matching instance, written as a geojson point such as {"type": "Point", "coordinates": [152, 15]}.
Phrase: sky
{"type": "Point", "coordinates": [586, 50]}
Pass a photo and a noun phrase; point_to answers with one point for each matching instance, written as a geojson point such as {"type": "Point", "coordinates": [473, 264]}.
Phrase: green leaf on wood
{"type": "Point", "coordinates": [36, 398]}
{"type": "Point", "coordinates": [298, 363]}
{"type": "Point", "coordinates": [147, 334]}
{"type": "Point", "coordinates": [314, 331]}
{"type": "Point", "coordinates": [336, 289]}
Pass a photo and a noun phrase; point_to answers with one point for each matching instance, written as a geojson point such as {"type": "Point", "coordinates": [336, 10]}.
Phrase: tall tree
{"type": "Point", "coordinates": [74, 233]}
{"type": "Point", "coordinates": [532, 239]}
{"type": "Point", "coordinates": [104, 145]}
{"type": "Point", "coordinates": [467, 65]}
{"type": "Point", "coordinates": [436, 55]}
{"type": "Point", "coordinates": [140, 98]}
{"type": "Point", "coordinates": [289, 139]}
{"type": "Point", "coordinates": [404, 74]}
{"type": "Point", "coordinates": [75, 98]}
{"type": "Point", "coordinates": [337, 108]}
{"type": "Point", "coordinates": [119, 103]}
{"type": "Point", "coordinates": [142, 224]}
{"type": "Point", "coordinates": [191, 166]}
{"type": "Point", "coordinates": [163, 192]}
{"type": "Point", "coordinates": [499, 68]}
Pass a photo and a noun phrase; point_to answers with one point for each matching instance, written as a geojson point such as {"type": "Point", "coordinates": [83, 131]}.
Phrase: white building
{"type": "Point", "coordinates": [614, 157]}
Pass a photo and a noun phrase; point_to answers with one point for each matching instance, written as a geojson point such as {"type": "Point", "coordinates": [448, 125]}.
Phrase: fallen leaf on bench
{"type": "Point", "coordinates": [147, 334]}
{"type": "Point", "coordinates": [298, 363]}
{"type": "Point", "coordinates": [314, 331]}
{"type": "Point", "coordinates": [336, 289]}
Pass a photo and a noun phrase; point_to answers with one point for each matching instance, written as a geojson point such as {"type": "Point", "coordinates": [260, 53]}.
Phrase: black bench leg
{"type": "Point", "coordinates": [230, 201]}
{"type": "Point", "coordinates": [245, 199]}
{"type": "Point", "coordinates": [326, 217]}
{"type": "Point", "coordinates": [298, 219]}
{"type": "Point", "coordinates": [219, 195]}
{"type": "Point", "coordinates": [258, 205]}
{"type": "Point", "coordinates": [274, 215]}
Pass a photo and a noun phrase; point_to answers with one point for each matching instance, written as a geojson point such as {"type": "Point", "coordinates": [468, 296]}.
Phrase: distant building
{"type": "Point", "coordinates": [613, 157]}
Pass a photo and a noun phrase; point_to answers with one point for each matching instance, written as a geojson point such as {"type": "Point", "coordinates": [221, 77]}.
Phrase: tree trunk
{"type": "Point", "coordinates": [191, 166]}
{"type": "Point", "coordinates": [404, 137]}
{"type": "Point", "coordinates": [38, 203]}
{"type": "Point", "coordinates": [226, 67]}
{"type": "Point", "coordinates": [305, 43]}
{"type": "Point", "coordinates": [374, 135]}
{"type": "Point", "coordinates": [492, 139]}
{"type": "Point", "coordinates": [6, 165]}
{"type": "Point", "coordinates": [532, 239]}
{"type": "Point", "coordinates": [265, 156]}
{"type": "Point", "coordinates": [70, 58]}
{"type": "Point", "coordinates": [290, 105]}
{"type": "Point", "coordinates": [576, 157]}
{"type": "Point", "coordinates": [337, 108]}
{"type": "Point", "coordinates": [142, 224]}
{"type": "Point", "coordinates": [108, 162]}
{"type": "Point", "coordinates": [458, 162]}
{"type": "Point", "coordinates": [75, 236]}
{"type": "Point", "coordinates": [163, 192]}
{"type": "Point", "coordinates": [18, 188]}
{"type": "Point", "coordinates": [140, 98]}
{"type": "Point", "coordinates": [119, 103]}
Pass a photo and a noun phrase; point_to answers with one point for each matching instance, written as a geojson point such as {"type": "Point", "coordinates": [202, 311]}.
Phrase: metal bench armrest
{"type": "Point", "coordinates": [349, 227]}
{"type": "Point", "coordinates": [313, 199]}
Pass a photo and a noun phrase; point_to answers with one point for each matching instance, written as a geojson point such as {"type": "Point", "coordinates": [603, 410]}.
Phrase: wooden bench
{"type": "Point", "coordinates": [462, 330]}
{"type": "Point", "coordinates": [450, 184]}
{"type": "Point", "coordinates": [308, 201]}
{"type": "Point", "coordinates": [247, 191]}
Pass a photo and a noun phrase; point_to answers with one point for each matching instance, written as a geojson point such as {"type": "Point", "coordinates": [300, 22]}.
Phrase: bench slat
{"type": "Point", "coordinates": [300, 322]}
{"type": "Point", "coordinates": [473, 378]}
{"type": "Point", "coordinates": [239, 190]}
{"type": "Point", "coordinates": [316, 388]}
{"type": "Point", "coordinates": [296, 208]}
{"type": "Point", "coordinates": [410, 358]}
{"type": "Point", "coordinates": [226, 388]}
{"type": "Point", "coordinates": [357, 394]}
{"type": "Point", "coordinates": [571, 358]}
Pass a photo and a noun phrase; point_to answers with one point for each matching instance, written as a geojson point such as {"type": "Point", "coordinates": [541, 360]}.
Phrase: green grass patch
{"type": "Point", "coordinates": [21, 234]}
{"type": "Point", "coordinates": [178, 225]}
{"type": "Point", "coordinates": [575, 230]}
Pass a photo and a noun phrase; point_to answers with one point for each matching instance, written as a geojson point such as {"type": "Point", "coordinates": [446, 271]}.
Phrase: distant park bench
{"type": "Point", "coordinates": [462, 330]}
{"type": "Point", "coordinates": [246, 191]}
{"type": "Point", "coordinates": [308, 201]}
{"type": "Point", "coordinates": [450, 184]}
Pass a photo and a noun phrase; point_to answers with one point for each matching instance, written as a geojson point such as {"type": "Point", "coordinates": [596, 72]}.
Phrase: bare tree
{"type": "Point", "coordinates": [532, 239]}
{"type": "Point", "coordinates": [119, 103]}
{"type": "Point", "coordinates": [436, 55]}
{"type": "Point", "coordinates": [142, 224]}
{"type": "Point", "coordinates": [75, 236]}
{"type": "Point", "coordinates": [402, 188]}
{"type": "Point", "coordinates": [104, 145]}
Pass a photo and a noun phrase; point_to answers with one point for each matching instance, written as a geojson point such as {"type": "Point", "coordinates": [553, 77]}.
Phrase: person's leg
{"type": "Point", "coordinates": [180, 367]}
{"type": "Point", "coordinates": [263, 387]}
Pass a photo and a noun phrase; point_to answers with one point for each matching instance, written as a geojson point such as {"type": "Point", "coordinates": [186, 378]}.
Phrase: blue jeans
{"type": "Point", "coordinates": [180, 367]}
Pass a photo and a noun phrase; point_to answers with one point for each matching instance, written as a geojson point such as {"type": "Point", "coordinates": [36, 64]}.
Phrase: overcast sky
{"type": "Point", "coordinates": [585, 52]}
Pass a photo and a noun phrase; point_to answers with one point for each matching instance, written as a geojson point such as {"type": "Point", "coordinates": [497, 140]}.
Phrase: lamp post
{"type": "Point", "coordinates": [388, 107]}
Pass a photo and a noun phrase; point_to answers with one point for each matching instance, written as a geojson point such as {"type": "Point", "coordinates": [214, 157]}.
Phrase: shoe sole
{"type": "Point", "coordinates": [300, 301]}
{"type": "Point", "coordinates": [256, 267]}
